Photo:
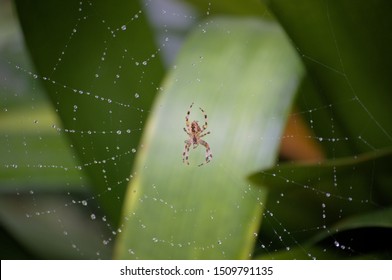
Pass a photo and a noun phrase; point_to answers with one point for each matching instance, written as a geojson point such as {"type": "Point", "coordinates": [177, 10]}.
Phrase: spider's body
{"type": "Point", "coordinates": [195, 133]}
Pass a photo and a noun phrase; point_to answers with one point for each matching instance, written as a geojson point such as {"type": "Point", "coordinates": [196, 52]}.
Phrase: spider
{"type": "Point", "coordinates": [195, 133]}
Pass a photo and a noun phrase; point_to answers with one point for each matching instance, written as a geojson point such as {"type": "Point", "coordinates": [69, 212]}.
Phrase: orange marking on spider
{"type": "Point", "coordinates": [195, 133]}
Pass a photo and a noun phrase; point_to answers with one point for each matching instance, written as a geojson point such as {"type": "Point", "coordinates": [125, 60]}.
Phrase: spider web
{"type": "Point", "coordinates": [46, 200]}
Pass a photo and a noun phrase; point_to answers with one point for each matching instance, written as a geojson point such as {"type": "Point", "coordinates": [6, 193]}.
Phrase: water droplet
{"type": "Point", "coordinates": [124, 27]}
{"type": "Point", "coordinates": [136, 95]}
{"type": "Point", "coordinates": [84, 202]}
{"type": "Point", "coordinates": [92, 216]}
{"type": "Point", "coordinates": [118, 132]}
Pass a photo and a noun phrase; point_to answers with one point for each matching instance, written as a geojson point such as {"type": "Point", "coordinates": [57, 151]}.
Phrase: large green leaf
{"type": "Point", "coordinates": [86, 54]}
{"type": "Point", "coordinates": [244, 74]}
{"type": "Point", "coordinates": [346, 47]}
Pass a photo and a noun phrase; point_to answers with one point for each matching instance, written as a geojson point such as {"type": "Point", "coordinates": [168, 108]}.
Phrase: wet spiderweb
{"type": "Point", "coordinates": [46, 199]}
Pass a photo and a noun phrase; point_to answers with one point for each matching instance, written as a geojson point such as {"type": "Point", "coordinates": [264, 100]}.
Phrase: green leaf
{"type": "Point", "coordinates": [341, 184]}
{"type": "Point", "coordinates": [11, 249]}
{"type": "Point", "coordinates": [300, 253]}
{"type": "Point", "coordinates": [53, 232]}
{"type": "Point", "coordinates": [376, 219]}
{"type": "Point", "coordinates": [243, 73]}
{"type": "Point", "coordinates": [318, 252]}
{"type": "Point", "coordinates": [230, 7]}
{"type": "Point", "coordinates": [79, 50]}
{"type": "Point", "coordinates": [346, 48]}
{"type": "Point", "coordinates": [47, 164]}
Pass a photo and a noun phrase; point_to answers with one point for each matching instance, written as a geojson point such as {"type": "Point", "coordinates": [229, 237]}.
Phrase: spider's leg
{"type": "Point", "coordinates": [208, 152]}
{"type": "Point", "coordinates": [204, 134]}
{"type": "Point", "coordinates": [205, 120]}
{"type": "Point", "coordinates": [186, 131]}
{"type": "Point", "coordinates": [185, 154]}
{"type": "Point", "coordinates": [187, 116]}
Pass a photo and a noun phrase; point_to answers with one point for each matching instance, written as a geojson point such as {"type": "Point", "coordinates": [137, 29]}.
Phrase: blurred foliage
{"type": "Point", "coordinates": [333, 185]}
{"type": "Point", "coordinates": [345, 48]}
{"type": "Point", "coordinates": [57, 29]}
{"type": "Point", "coordinates": [348, 71]}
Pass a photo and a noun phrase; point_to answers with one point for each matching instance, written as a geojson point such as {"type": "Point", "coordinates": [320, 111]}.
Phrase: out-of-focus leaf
{"type": "Point", "coordinates": [85, 54]}
{"type": "Point", "coordinates": [346, 47]}
{"type": "Point", "coordinates": [244, 74]}
{"type": "Point", "coordinates": [300, 253]}
{"type": "Point", "coordinates": [340, 185]}
{"type": "Point", "coordinates": [53, 232]}
{"type": "Point", "coordinates": [381, 219]}
{"type": "Point", "coordinates": [11, 249]}
{"type": "Point", "coordinates": [369, 232]}
{"type": "Point", "coordinates": [307, 252]}
{"type": "Point", "coordinates": [34, 156]}
{"type": "Point", "coordinates": [230, 7]}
